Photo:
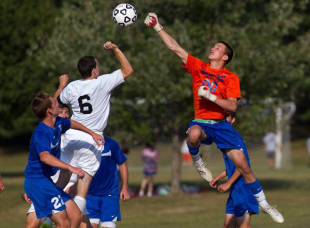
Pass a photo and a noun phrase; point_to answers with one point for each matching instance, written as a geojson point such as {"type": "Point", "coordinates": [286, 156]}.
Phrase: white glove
{"type": "Point", "coordinates": [152, 21]}
{"type": "Point", "coordinates": [204, 92]}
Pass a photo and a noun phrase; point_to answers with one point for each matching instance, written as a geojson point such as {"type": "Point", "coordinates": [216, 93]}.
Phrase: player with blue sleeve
{"type": "Point", "coordinates": [43, 161]}
{"type": "Point", "coordinates": [241, 203]}
{"type": "Point", "coordinates": [103, 196]}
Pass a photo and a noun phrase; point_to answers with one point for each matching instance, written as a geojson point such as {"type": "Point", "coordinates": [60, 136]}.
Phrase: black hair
{"type": "Point", "coordinates": [228, 51]}
{"type": "Point", "coordinates": [86, 65]}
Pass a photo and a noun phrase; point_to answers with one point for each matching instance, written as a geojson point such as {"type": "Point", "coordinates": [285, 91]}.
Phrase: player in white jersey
{"type": "Point", "coordinates": [89, 98]}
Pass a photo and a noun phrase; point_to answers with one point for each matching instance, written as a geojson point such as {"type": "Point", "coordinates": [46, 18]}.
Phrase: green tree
{"type": "Point", "coordinates": [22, 24]}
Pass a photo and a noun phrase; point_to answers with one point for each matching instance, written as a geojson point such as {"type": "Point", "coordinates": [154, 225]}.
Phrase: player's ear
{"type": "Point", "coordinates": [93, 72]}
{"type": "Point", "coordinates": [225, 57]}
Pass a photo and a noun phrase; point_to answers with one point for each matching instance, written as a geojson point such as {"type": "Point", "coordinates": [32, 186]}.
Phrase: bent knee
{"type": "Point", "coordinates": [195, 134]}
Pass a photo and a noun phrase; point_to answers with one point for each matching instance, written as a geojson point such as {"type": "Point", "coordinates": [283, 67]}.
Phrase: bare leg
{"type": "Point", "coordinates": [241, 164]}
{"type": "Point", "coordinates": [64, 177]}
{"type": "Point", "coordinates": [195, 136]}
{"type": "Point", "coordinates": [143, 185]}
{"type": "Point", "coordinates": [86, 223]}
{"type": "Point", "coordinates": [33, 221]}
{"type": "Point", "coordinates": [74, 214]}
{"type": "Point", "coordinates": [61, 219]}
{"type": "Point", "coordinates": [244, 221]}
{"type": "Point", "coordinates": [230, 221]}
{"type": "Point", "coordinates": [150, 187]}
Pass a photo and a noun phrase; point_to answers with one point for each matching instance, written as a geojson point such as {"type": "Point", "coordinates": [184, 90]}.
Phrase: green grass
{"type": "Point", "coordinates": [288, 188]}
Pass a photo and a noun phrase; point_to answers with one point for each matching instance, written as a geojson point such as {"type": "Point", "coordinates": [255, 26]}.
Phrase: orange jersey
{"type": "Point", "coordinates": [221, 82]}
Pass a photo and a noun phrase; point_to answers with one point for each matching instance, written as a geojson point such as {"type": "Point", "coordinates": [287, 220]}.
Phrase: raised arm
{"type": "Point", "coordinates": [151, 20]}
{"type": "Point", "coordinates": [63, 81]}
{"type": "Point", "coordinates": [126, 68]}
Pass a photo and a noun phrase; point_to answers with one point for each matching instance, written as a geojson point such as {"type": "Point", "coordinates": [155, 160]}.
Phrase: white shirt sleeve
{"type": "Point", "coordinates": [110, 81]}
{"type": "Point", "coordinates": [64, 95]}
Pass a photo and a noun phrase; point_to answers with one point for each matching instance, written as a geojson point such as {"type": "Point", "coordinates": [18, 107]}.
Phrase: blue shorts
{"type": "Point", "coordinates": [241, 200]}
{"type": "Point", "coordinates": [45, 196]}
{"type": "Point", "coordinates": [104, 207]}
{"type": "Point", "coordinates": [223, 134]}
{"type": "Point", "coordinates": [149, 173]}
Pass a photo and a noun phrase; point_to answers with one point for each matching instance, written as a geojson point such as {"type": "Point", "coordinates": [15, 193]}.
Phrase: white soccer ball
{"type": "Point", "coordinates": [124, 15]}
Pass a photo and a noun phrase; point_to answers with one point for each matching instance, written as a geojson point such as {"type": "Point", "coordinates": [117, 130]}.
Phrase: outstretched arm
{"type": "Point", "coordinates": [152, 21]}
{"type": "Point", "coordinates": [63, 80]}
{"type": "Point", "coordinates": [126, 68]}
{"type": "Point", "coordinates": [124, 175]}
{"type": "Point", "coordinates": [77, 126]}
{"type": "Point", "coordinates": [224, 187]}
{"type": "Point", "coordinates": [49, 159]}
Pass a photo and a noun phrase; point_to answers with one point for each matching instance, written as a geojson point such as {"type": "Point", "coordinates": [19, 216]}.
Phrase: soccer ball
{"type": "Point", "coordinates": [124, 15]}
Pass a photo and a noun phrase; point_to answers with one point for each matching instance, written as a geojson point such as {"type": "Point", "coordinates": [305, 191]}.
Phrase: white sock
{"type": "Point", "coordinates": [80, 202]}
{"type": "Point", "coordinates": [261, 199]}
{"type": "Point", "coordinates": [197, 159]}
{"type": "Point", "coordinates": [141, 193]}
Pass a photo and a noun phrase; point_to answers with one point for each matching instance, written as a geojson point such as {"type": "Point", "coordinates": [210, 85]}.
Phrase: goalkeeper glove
{"type": "Point", "coordinates": [204, 92]}
{"type": "Point", "coordinates": [152, 21]}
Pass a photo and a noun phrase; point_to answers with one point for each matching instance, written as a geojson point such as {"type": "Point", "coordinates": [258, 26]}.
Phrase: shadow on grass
{"type": "Point", "coordinates": [12, 174]}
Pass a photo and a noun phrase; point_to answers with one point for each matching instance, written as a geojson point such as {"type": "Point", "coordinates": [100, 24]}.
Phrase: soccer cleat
{"type": "Point", "coordinates": [203, 171]}
{"type": "Point", "coordinates": [273, 212]}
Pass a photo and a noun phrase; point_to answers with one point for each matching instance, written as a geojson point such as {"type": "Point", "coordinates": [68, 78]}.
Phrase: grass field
{"type": "Point", "coordinates": [288, 188]}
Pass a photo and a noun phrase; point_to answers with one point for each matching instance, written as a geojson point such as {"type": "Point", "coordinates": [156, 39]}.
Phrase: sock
{"type": "Point", "coordinates": [258, 192]}
{"type": "Point", "coordinates": [80, 202]}
{"type": "Point", "coordinates": [193, 150]}
{"type": "Point", "coordinates": [197, 159]}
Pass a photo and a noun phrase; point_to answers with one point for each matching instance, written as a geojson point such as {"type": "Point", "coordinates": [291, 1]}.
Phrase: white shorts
{"type": "Point", "coordinates": [80, 150]}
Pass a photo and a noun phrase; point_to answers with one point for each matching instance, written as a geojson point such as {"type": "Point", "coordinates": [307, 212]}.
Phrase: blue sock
{"type": "Point", "coordinates": [194, 151]}
{"type": "Point", "coordinates": [255, 187]}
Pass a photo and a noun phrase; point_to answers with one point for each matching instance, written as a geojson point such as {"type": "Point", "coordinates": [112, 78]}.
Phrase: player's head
{"type": "Point", "coordinates": [221, 51]}
{"type": "Point", "coordinates": [43, 104]}
{"type": "Point", "coordinates": [64, 111]}
{"type": "Point", "coordinates": [88, 67]}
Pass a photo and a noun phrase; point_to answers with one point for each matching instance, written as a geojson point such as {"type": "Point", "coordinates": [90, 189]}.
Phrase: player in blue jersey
{"type": "Point", "coordinates": [241, 203]}
{"type": "Point", "coordinates": [103, 195]}
{"type": "Point", "coordinates": [43, 162]}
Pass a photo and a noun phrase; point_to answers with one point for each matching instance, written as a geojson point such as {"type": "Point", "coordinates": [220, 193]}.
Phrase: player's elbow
{"type": "Point", "coordinates": [233, 108]}
{"type": "Point", "coordinates": [128, 72]}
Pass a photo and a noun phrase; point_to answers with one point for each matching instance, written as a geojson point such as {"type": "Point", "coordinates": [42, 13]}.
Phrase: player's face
{"type": "Point", "coordinates": [64, 112]}
{"type": "Point", "coordinates": [54, 110]}
{"type": "Point", "coordinates": [218, 52]}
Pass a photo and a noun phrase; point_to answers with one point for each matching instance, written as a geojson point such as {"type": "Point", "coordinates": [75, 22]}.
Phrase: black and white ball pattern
{"type": "Point", "coordinates": [124, 15]}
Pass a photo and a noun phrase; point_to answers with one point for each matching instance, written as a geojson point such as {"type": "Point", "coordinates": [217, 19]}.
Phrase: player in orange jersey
{"type": "Point", "coordinates": [216, 91]}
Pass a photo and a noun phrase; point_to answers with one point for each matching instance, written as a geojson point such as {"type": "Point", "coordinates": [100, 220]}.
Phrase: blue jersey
{"type": "Point", "coordinates": [105, 181]}
{"type": "Point", "coordinates": [45, 138]}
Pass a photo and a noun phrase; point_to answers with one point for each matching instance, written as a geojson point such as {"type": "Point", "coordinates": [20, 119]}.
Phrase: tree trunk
{"type": "Point", "coordinates": [176, 165]}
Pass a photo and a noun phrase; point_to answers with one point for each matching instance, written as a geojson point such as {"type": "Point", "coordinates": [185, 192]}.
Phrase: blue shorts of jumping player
{"type": "Point", "coordinates": [106, 208]}
{"type": "Point", "coordinates": [45, 196]}
{"type": "Point", "coordinates": [222, 133]}
{"type": "Point", "coordinates": [241, 200]}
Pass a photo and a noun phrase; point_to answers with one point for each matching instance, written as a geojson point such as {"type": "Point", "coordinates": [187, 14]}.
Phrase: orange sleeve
{"type": "Point", "coordinates": [233, 87]}
{"type": "Point", "coordinates": [192, 64]}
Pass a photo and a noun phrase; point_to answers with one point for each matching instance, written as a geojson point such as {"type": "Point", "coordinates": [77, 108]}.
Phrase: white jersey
{"type": "Point", "coordinates": [90, 99]}
{"type": "Point", "coordinates": [270, 141]}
